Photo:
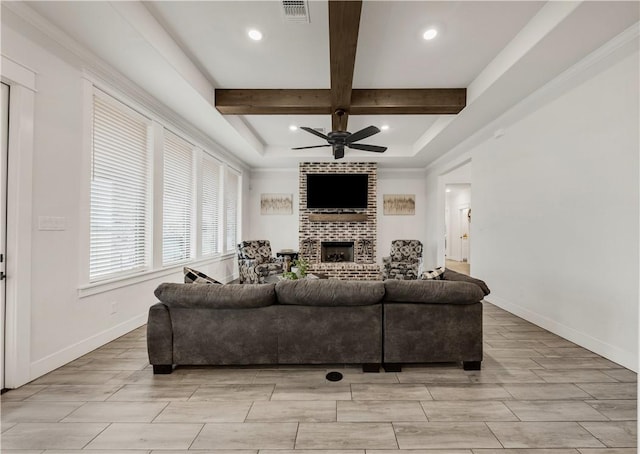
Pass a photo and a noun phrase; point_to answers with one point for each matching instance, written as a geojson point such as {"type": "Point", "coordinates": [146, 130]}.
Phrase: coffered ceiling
{"type": "Point", "coordinates": [181, 52]}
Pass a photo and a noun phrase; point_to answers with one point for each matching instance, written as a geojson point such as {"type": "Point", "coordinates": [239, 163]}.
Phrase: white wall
{"type": "Point", "coordinates": [391, 181]}
{"type": "Point", "coordinates": [556, 208]}
{"type": "Point", "coordinates": [66, 322]}
{"type": "Point", "coordinates": [280, 230]}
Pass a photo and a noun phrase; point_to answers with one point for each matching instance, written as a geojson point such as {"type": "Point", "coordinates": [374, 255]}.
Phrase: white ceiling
{"type": "Point", "coordinates": [180, 51]}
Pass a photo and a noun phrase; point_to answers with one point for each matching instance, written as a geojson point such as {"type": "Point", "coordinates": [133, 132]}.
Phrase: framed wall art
{"type": "Point", "coordinates": [399, 204]}
{"type": "Point", "coordinates": [276, 203]}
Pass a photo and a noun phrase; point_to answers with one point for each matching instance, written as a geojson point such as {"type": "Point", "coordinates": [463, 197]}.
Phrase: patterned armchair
{"type": "Point", "coordinates": [405, 260]}
{"type": "Point", "coordinates": [255, 262]}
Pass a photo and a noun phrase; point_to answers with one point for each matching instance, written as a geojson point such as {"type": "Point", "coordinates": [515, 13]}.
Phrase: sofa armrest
{"type": "Point", "coordinates": [450, 275]}
{"type": "Point", "coordinates": [159, 335]}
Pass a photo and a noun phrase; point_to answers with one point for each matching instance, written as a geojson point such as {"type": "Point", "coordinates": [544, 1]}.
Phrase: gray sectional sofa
{"type": "Point", "coordinates": [318, 321]}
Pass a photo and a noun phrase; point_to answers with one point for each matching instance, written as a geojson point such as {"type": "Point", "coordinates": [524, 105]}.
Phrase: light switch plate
{"type": "Point", "coordinates": [52, 223]}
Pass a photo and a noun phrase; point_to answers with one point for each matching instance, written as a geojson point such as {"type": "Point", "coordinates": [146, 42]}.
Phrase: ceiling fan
{"type": "Point", "coordinates": [337, 140]}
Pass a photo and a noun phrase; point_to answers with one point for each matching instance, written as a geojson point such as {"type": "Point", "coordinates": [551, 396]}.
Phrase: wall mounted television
{"type": "Point", "coordinates": [337, 190]}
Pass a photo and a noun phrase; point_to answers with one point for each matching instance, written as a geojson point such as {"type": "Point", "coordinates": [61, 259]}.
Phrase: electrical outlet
{"type": "Point", "coordinates": [114, 308]}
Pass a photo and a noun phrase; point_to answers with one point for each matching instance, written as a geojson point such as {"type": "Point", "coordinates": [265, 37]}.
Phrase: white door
{"type": "Point", "coordinates": [464, 234]}
{"type": "Point", "coordinates": [3, 220]}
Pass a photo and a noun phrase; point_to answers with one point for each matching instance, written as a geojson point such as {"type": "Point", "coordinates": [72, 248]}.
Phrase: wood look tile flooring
{"type": "Point", "coordinates": [536, 394]}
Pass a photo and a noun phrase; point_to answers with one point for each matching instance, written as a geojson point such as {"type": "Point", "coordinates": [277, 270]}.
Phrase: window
{"type": "Point", "coordinates": [119, 223]}
{"type": "Point", "coordinates": [232, 181]}
{"type": "Point", "coordinates": [210, 205]}
{"type": "Point", "coordinates": [177, 201]}
{"type": "Point", "coordinates": [144, 219]}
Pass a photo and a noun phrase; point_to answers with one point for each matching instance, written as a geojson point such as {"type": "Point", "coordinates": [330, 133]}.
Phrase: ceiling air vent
{"type": "Point", "coordinates": [295, 11]}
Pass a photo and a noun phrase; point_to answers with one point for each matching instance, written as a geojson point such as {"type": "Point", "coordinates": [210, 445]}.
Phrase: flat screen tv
{"type": "Point", "coordinates": [337, 190]}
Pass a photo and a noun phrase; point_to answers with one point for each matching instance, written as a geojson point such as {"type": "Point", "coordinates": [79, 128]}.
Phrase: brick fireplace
{"type": "Point", "coordinates": [349, 238]}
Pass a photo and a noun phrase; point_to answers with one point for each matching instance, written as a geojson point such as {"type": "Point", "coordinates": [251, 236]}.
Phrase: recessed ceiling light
{"type": "Point", "coordinates": [430, 34]}
{"type": "Point", "coordinates": [384, 127]}
{"type": "Point", "coordinates": [254, 34]}
{"type": "Point", "coordinates": [448, 189]}
{"type": "Point", "coordinates": [293, 128]}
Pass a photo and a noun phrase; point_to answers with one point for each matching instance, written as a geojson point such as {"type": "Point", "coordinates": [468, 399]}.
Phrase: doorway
{"type": "Point", "coordinates": [4, 118]}
{"type": "Point", "coordinates": [457, 227]}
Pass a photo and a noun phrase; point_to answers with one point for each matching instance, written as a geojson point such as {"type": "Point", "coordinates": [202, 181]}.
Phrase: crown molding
{"type": "Point", "coordinates": [275, 169]}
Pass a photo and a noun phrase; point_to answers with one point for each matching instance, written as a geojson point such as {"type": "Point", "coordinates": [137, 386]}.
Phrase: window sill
{"type": "Point", "coordinates": [120, 282]}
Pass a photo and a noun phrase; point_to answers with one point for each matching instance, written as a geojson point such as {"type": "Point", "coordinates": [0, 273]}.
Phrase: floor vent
{"type": "Point", "coordinates": [295, 11]}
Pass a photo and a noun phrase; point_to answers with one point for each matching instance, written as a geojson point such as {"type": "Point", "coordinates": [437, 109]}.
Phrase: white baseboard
{"type": "Point", "coordinates": [611, 352]}
{"type": "Point", "coordinates": [72, 352]}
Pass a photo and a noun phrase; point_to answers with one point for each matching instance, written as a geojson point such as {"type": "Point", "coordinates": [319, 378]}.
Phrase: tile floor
{"type": "Point", "coordinates": [536, 394]}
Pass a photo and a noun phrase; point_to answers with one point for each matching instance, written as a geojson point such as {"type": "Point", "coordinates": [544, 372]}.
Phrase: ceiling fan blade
{"type": "Point", "coordinates": [314, 132]}
{"type": "Point", "coordinates": [362, 134]}
{"type": "Point", "coordinates": [364, 147]}
{"type": "Point", "coordinates": [313, 146]}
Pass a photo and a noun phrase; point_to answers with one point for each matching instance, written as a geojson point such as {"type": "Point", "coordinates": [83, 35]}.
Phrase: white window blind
{"type": "Point", "coordinates": [177, 200]}
{"type": "Point", "coordinates": [210, 205]}
{"type": "Point", "coordinates": [231, 209]}
{"type": "Point", "coordinates": [119, 191]}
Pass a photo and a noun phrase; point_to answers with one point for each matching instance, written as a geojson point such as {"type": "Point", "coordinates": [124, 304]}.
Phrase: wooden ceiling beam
{"type": "Point", "coordinates": [273, 101]}
{"type": "Point", "coordinates": [344, 24]}
{"type": "Point", "coordinates": [416, 101]}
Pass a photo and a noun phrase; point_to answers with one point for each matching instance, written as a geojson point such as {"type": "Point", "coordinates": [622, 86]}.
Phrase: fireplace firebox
{"type": "Point", "coordinates": [336, 251]}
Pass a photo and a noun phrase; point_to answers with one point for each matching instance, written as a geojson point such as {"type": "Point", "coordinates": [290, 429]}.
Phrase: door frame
{"type": "Point", "coordinates": [462, 220]}
{"type": "Point", "coordinates": [3, 220]}
{"type": "Point", "coordinates": [22, 83]}
{"type": "Point", "coordinates": [446, 177]}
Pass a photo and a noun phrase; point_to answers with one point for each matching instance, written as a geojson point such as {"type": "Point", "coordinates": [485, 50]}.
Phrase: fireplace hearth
{"type": "Point", "coordinates": [336, 251]}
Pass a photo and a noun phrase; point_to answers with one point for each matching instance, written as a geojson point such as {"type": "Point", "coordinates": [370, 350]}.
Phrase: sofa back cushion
{"type": "Point", "coordinates": [432, 291]}
{"type": "Point", "coordinates": [230, 296]}
{"type": "Point", "coordinates": [329, 292]}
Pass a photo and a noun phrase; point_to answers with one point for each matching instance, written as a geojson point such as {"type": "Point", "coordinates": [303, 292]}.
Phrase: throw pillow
{"type": "Point", "coordinates": [433, 274]}
{"type": "Point", "coordinates": [192, 276]}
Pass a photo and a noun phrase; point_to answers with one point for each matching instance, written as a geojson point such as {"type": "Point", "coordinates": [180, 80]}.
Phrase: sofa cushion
{"type": "Point", "coordinates": [450, 275]}
{"type": "Point", "coordinates": [329, 292]}
{"type": "Point", "coordinates": [230, 296]}
{"type": "Point", "coordinates": [432, 291]}
{"type": "Point", "coordinates": [192, 276]}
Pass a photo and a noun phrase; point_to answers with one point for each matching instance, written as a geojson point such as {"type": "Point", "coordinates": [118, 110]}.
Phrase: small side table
{"type": "Point", "coordinates": [289, 256]}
